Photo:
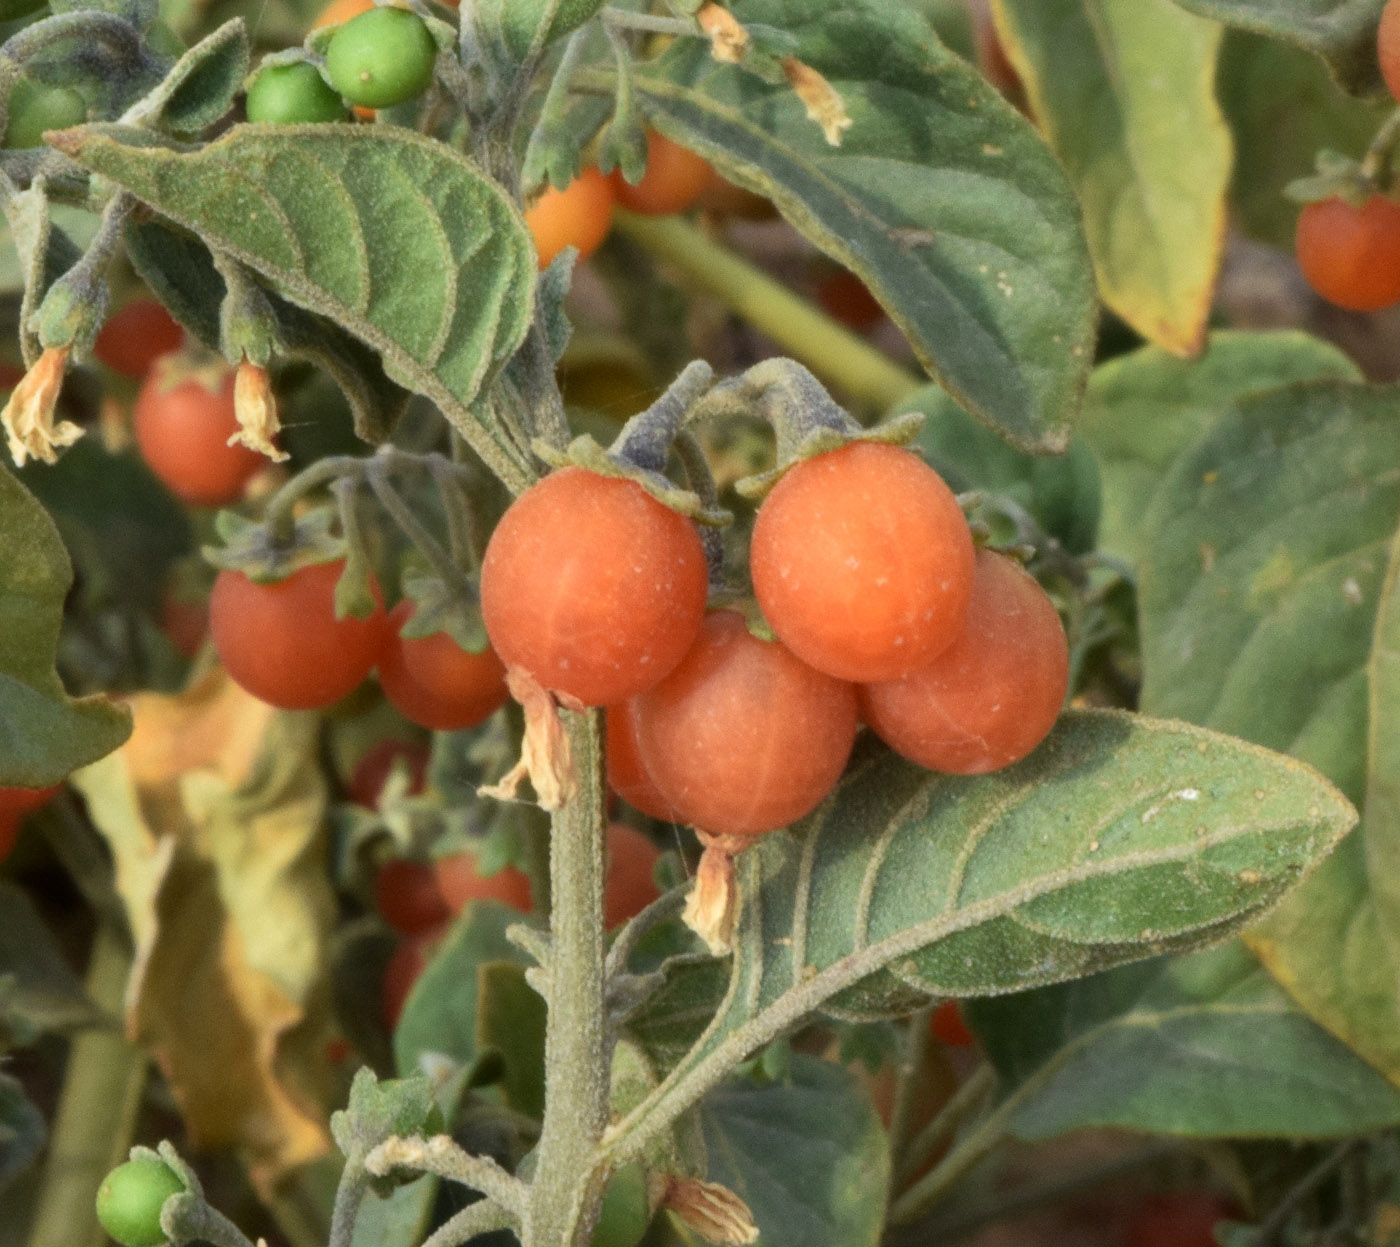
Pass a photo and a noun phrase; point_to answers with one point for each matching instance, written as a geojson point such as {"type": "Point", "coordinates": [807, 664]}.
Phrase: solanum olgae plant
{"type": "Point", "coordinates": [919, 730]}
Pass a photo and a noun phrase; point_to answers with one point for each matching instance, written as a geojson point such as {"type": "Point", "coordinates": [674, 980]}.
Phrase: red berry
{"type": "Point", "coordinates": [135, 336]}
{"type": "Point", "coordinates": [434, 682]}
{"type": "Point", "coordinates": [282, 641]}
{"type": "Point", "coordinates": [626, 775]}
{"type": "Point", "coordinates": [1351, 255]}
{"type": "Point", "coordinates": [593, 586]}
{"type": "Point", "coordinates": [409, 897]}
{"type": "Point", "coordinates": [1178, 1219]}
{"type": "Point", "coordinates": [994, 695]}
{"type": "Point", "coordinates": [460, 884]}
{"type": "Point", "coordinates": [862, 562]}
{"type": "Point", "coordinates": [630, 885]}
{"type": "Point", "coordinates": [743, 737]}
{"type": "Point", "coordinates": [947, 1026]}
{"type": "Point", "coordinates": [1388, 46]}
{"type": "Point", "coordinates": [183, 427]}
{"type": "Point", "coordinates": [367, 781]}
{"type": "Point", "coordinates": [675, 178]}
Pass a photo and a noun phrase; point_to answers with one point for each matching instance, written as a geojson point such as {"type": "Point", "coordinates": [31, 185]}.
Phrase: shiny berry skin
{"type": "Point", "coordinates": [182, 429]}
{"type": "Point", "coordinates": [743, 737]}
{"type": "Point", "coordinates": [675, 178]}
{"type": "Point", "coordinates": [579, 216]}
{"type": "Point", "coordinates": [862, 562]}
{"type": "Point", "coordinates": [1351, 255]}
{"type": "Point", "coordinates": [434, 682]}
{"type": "Point", "coordinates": [629, 885]}
{"type": "Point", "coordinates": [626, 775]}
{"type": "Point", "coordinates": [593, 586]}
{"type": "Point", "coordinates": [137, 335]}
{"type": "Point", "coordinates": [282, 642]}
{"type": "Point", "coordinates": [130, 1200]}
{"type": "Point", "coordinates": [460, 884]}
{"type": "Point", "coordinates": [292, 95]}
{"type": "Point", "coordinates": [381, 57]}
{"type": "Point", "coordinates": [994, 695]}
{"type": "Point", "coordinates": [1388, 47]}
{"type": "Point", "coordinates": [409, 898]}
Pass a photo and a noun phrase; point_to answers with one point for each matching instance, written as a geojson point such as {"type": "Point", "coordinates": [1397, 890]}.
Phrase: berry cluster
{"type": "Point", "coordinates": [881, 607]}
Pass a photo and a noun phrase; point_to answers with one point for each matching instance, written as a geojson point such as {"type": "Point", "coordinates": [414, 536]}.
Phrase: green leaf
{"type": "Point", "coordinates": [941, 198]}
{"type": "Point", "coordinates": [1144, 409]}
{"type": "Point", "coordinates": [1342, 32]}
{"type": "Point", "coordinates": [1205, 1046]}
{"type": "Point", "coordinates": [45, 254]}
{"type": "Point", "coordinates": [395, 237]}
{"type": "Point", "coordinates": [808, 1155]}
{"type": "Point", "coordinates": [441, 1013]}
{"type": "Point", "coordinates": [44, 995]}
{"type": "Point", "coordinates": [22, 1130]}
{"type": "Point", "coordinates": [1125, 90]}
{"type": "Point", "coordinates": [43, 734]}
{"type": "Point", "coordinates": [201, 87]}
{"type": "Point", "coordinates": [523, 24]}
{"type": "Point", "coordinates": [180, 271]}
{"type": "Point", "coordinates": [1119, 838]}
{"type": "Point", "coordinates": [1268, 548]}
{"type": "Point", "coordinates": [1283, 108]}
{"type": "Point", "coordinates": [379, 1110]}
{"type": "Point", "coordinates": [510, 1020]}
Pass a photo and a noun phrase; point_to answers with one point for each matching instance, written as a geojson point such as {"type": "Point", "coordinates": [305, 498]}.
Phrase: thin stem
{"type": "Point", "coordinates": [965, 1100]}
{"type": "Point", "coordinates": [279, 515]}
{"type": "Point", "coordinates": [442, 1156]}
{"type": "Point", "coordinates": [402, 515]}
{"type": "Point", "coordinates": [843, 360]}
{"type": "Point", "coordinates": [565, 1194]}
{"type": "Point", "coordinates": [955, 1166]}
{"type": "Point", "coordinates": [678, 26]}
{"type": "Point", "coordinates": [354, 1186]}
{"type": "Point", "coordinates": [1376, 164]}
{"type": "Point", "coordinates": [911, 1067]}
{"type": "Point", "coordinates": [463, 532]}
{"type": "Point", "coordinates": [1278, 1219]}
{"type": "Point", "coordinates": [97, 1111]}
{"type": "Point", "coordinates": [480, 1218]}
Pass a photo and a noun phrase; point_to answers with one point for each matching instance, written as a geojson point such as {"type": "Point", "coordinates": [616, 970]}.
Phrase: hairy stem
{"type": "Point", "coordinates": [96, 1113]}
{"type": "Point", "coordinates": [564, 1197]}
{"type": "Point", "coordinates": [863, 374]}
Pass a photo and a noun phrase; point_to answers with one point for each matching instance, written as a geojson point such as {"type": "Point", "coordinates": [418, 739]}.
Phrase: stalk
{"type": "Point", "coordinates": [97, 1110]}
{"type": "Point", "coordinates": [840, 358]}
{"type": "Point", "coordinates": [564, 1198]}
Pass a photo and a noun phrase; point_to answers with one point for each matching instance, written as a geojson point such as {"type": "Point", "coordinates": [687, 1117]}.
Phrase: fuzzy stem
{"type": "Point", "coordinates": [865, 375]}
{"type": "Point", "coordinates": [565, 1194]}
{"type": "Point", "coordinates": [480, 1218]}
{"type": "Point", "coordinates": [96, 1113]}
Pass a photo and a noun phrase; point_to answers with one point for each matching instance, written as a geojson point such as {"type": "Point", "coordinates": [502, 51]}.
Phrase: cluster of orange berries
{"type": "Point", "coordinates": [881, 607]}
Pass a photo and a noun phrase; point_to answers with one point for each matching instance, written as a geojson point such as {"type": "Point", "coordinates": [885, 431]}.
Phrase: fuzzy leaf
{"type": "Point", "coordinates": [1119, 838]}
{"type": "Point", "coordinates": [941, 198]}
{"type": "Point", "coordinates": [43, 734]}
{"type": "Point", "coordinates": [1125, 91]}
{"type": "Point", "coordinates": [1342, 32]}
{"type": "Point", "coordinates": [202, 86]}
{"type": "Point", "coordinates": [395, 237]}
{"type": "Point", "coordinates": [1269, 541]}
{"type": "Point", "coordinates": [807, 1154]}
{"type": "Point", "coordinates": [181, 272]}
{"type": "Point", "coordinates": [1144, 409]}
{"type": "Point", "coordinates": [1205, 1046]}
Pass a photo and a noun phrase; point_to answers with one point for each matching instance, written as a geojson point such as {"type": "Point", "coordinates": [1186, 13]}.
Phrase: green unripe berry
{"type": "Point", "coordinates": [382, 57]}
{"type": "Point", "coordinates": [35, 108]}
{"type": "Point", "coordinates": [622, 1220]}
{"type": "Point", "coordinates": [131, 1197]}
{"type": "Point", "coordinates": [289, 95]}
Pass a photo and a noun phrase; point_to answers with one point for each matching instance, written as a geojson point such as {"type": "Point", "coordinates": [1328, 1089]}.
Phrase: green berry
{"type": "Point", "coordinates": [130, 1199]}
{"type": "Point", "coordinates": [288, 95]}
{"type": "Point", "coordinates": [382, 57]}
{"type": "Point", "coordinates": [35, 108]}
{"type": "Point", "coordinates": [623, 1218]}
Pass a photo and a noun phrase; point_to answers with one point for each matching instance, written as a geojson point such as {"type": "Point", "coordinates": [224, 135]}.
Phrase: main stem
{"type": "Point", "coordinates": [568, 1184]}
